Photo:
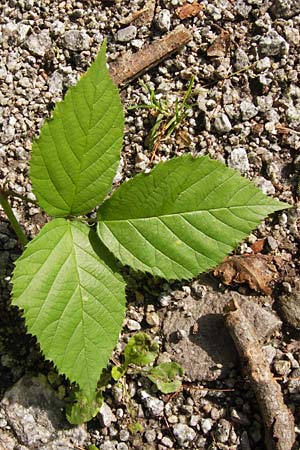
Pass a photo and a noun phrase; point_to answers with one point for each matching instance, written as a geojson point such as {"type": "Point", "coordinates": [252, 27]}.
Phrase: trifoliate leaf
{"type": "Point", "coordinates": [183, 217]}
{"type": "Point", "coordinates": [140, 350]}
{"type": "Point", "coordinates": [73, 299]}
{"type": "Point", "coordinates": [75, 158]}
{"type": "Point", "coordinates": [167, 377]}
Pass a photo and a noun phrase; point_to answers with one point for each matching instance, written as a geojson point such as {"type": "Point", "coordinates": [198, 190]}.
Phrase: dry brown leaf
{"type": "Point", "coordinates": [220, 46]}
{"type": "Point", "coordinates": [255, 270]}
{"type": "Point", "coordinates": [258, 245]}
{"type": "Point", "coordinates": [189, 10]}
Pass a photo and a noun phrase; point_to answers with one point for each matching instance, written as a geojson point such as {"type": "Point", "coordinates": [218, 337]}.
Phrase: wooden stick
{"type": "Point", "coordinates": [278, 419]}
{"type": "Point", "coordinates": [130, 65]}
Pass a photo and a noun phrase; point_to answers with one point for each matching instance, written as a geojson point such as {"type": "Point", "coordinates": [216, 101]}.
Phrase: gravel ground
{"type": "Point", "coordinates": [246, 114]}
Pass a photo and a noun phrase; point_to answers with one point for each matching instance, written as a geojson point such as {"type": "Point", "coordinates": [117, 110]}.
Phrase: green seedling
{"type": "Point", "coordinates": [141, 352]}
{"type": "Point", "coordinates": [175, 222]}
{"type": "Point", "coordinates": [167, 117]}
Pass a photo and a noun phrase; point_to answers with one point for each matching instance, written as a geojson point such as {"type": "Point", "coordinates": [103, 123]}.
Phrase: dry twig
{"type": "Point", "coordinates": [130, 65]}
{"type": "Point", "coordinates": [278, 419]}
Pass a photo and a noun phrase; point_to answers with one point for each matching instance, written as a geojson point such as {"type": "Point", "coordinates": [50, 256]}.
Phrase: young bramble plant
{"type": "Point", "coordinates": [139, 356]}
{"type": "Point", "coordinates": [181, 219]}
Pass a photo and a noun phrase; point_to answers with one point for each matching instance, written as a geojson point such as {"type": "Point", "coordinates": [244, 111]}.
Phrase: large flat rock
{"type": "Point", "coordinates": [36, 417]}
{"type": "Point", "coordinates": [196, 336]}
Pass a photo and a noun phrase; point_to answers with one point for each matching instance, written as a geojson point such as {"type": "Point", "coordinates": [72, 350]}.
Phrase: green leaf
{"type": "Point", "coordinates": [140, 350]}
{"type": "Point", "coordinates": [118, 372]}
{"type": "Point", "coordinates": [84, 407]}
{"type": "Point", "coordinates": [75, 158]}
{"type": "Point", "coordinates": [183, 217]}
{"type": "Point", "coordinates": [73, 299]}
{"type": "Point", "coordinates": [167, 377]}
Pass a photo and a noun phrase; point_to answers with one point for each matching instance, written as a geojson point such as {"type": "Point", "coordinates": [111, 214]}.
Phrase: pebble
{"type": "Point", "coordinates": [152, 319]}
{"type": "Point", "coordinates": [163, 20]}
{"type": "Point", "coordinates": [56, 83]}
{"type": "Point", "coordinates": [290, 309]}
{"type": "Point", "coordinates": [167, 442]}
{"type": "Point", "coordinates": [286, 8]}
{"type": "Point", "coordinates": [183, 434]}
{"type": "Point", "coordinates": [133, 325]}
{"type": "Point", "coordinates": [122, 446]}
{"type": "Point", "coordinates": [223, 430]}
{"type": "Point", "coordinates": [39, 43]}
{"type": "Point", "coordinates": [272, 44]}
{"type": "Point", "coordinates": [124, 435]}
{"type": "Point", "coordinates": [265, 185]}
{"type": "Point", "coordinates": [238, 159]}
{"type": "Point", "coordinates": [248, 110]}
{"type": "Point", "coordinates": [126, 34]}
{"type": "Point", "coordinates": [282, 367]}
{"type": "Point", "coordinates": [106, 415]}
{"type": "Point", "coordinates": [222, 124]}
{"type": "Point", "coordinates": [154, 405]}
{"type": "Point", "coordinates": [150, 436]}
{"type": "Point", "coordinates": [76, 40]}
{"type": "Point", "coordinates": [206, 425]}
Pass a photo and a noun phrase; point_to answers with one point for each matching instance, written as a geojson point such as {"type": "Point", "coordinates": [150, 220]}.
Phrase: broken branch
{"type": "Point", "coordinates": [278, 419]}
{"type": "Point", "coordinates": [131, 65]}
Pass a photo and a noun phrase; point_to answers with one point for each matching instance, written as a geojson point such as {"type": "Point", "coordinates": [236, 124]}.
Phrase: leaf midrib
{"type": "Point", "coordinates": [180, 213]}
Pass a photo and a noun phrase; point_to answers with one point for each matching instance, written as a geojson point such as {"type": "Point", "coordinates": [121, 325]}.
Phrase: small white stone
{"type": "Point", "coordinates": [163, 20]}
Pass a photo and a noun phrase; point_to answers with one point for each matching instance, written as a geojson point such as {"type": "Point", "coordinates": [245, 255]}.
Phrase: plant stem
{"type": "Point", "coordinates": [13, 220]}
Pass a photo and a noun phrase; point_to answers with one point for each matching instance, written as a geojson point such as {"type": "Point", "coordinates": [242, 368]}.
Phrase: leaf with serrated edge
{"type": "Point", "coordinates": [73, 299]}
{"type": "Point", "coordinates": [183, 217]}
{"type": "Point", "coordinates": [76, 156]}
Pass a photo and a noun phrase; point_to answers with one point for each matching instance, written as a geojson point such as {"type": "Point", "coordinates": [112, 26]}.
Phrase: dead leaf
{"type": "Point", "coordinates": [220, 46]}
{"type": "Point", "coordinates": [257, 246]}
{"type": "Point", "coordinates": [189, 10]}
{"type": "Point", "coordinates": [255, 270]}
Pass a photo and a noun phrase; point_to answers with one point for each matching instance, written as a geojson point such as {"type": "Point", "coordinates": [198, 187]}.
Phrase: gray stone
{"type": "Point", "coordinates": [154, 405]}
{"type": "Point", "coordinates": [150, 436]}
{"type": "Point", "coordinates": [242, 8]}
{"type": "Point", "coordinates": [206, 350]}
{"type": "Point", "coordinates": [222, 124]}
{"type": "Point", "coordinates": [124, 435]}
{"type": "Point", "coordinates": [206, 425]}
{"type": "Point", "coordinates": [122, 446]}
{"type": "Point", "coordinates": [56, 83]}
{"type": "Point", "coordinates": [223, 430]}
{"type": "Point", "coordinates": [248, 110]}
{"type": "Point", "coordinates": [108, 446]}
{"type": "Point", "coordinates": [133, 325]}
{"type": "Point", "coordinates": [76, 40]}
{"type": "Point", "coordinates": [282, 367]}
{"type": "Point", "coordinates": [238, 159]}
{"type": "Point", "coordinates": [290, 309]}
{"type": "Point", "coordinates": [163, 20]}
{"type": "Point", "coordinates": [265, 185]}
{"type": "Point", "coordinates": [167, 442]}
{"type": "Point", "coordinates": [183, 434]}
{"type": "Point", "coordinates": [241, 59]}
{"type": "Point", "coordinates": [106, 415]}
{"type": "Point", "coordinates": [286, 8]}
{"type": "Point", "coordinates": [272, 44]}
{"type": "Point", "coordinates": [126, 34]}
{"type": "Point", "coordinates": [39, 43]}
{"type": "Point", "coordinates": [36, 416]}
